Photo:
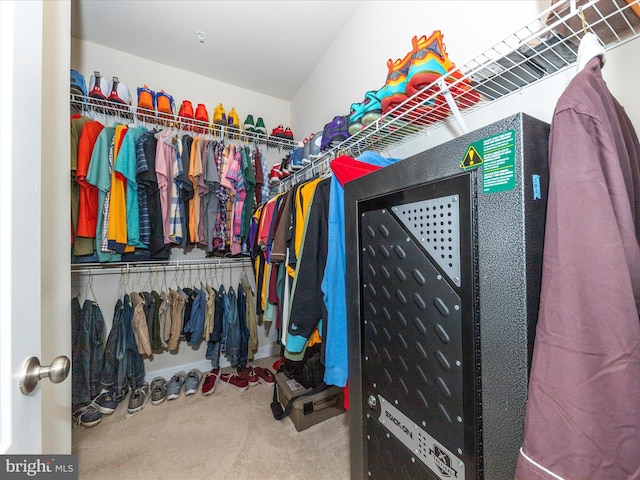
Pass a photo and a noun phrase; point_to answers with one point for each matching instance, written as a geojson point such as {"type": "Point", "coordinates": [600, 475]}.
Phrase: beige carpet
{"type": "Point", "coordinates": [229, 435]}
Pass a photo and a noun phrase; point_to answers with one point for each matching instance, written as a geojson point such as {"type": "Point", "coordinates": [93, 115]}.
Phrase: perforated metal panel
{"type": "Point", "coordinates": [411, 317]}
{"type": "Point", "coordinates": [435, 224]}
{"type": "Point", "coordinates": [414, 322]}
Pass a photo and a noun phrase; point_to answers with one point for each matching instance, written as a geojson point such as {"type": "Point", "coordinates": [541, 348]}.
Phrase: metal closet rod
{"type": "Point", "coordinates": [116, 268]}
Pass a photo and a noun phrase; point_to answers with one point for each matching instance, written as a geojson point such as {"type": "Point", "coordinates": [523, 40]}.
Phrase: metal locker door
{"type": "Point", "coordinates": [418, 308]}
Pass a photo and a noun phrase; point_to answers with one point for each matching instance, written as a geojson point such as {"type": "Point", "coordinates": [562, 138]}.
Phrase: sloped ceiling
{"type": "Point", "coordinates": [270, 47]}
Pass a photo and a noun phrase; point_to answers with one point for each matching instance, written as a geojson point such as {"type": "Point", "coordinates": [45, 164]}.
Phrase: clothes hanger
{"type": "Point", "coordinates": [89, 288]}
{"type": "Point", "coordinates": [590, 46]}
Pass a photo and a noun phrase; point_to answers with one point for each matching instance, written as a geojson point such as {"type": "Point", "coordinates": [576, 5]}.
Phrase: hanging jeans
{"type": "Point", "coordinates": [215, 339]}
{"type": "Point", "coordinates": [114, 370]}
{"type": "Point", "coordinates": [123, 365]}
{"type": "Point", "coordinates": [87, 333]}
{"type": "Point", "coordinates": [233, 326]}
{"type": "Point", "coordinates": [244, 331]}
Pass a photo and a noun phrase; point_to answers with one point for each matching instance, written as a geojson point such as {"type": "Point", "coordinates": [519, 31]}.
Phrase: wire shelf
{"type": "Point", "coordinates": [118, 112]}
{"type": "Point", "coordinates": [544, 47]}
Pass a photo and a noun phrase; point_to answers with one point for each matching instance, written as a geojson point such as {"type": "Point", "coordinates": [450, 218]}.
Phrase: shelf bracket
{"type": "Point", "coordinates": [444, 90]}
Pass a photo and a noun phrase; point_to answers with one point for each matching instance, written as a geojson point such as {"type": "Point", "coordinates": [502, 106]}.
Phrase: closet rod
{"type": "Point", "coordinates": [116, 268]}
{"type": "Point", "coordinates": [128, 113]}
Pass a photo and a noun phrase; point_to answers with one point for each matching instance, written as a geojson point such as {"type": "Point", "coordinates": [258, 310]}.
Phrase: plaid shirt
{"type": "Point", "coordinates": [104, 241]}
{"type": "Point", "coordinates": [141, 167]}
{"type": "Point", "coordinates": [176, 214]}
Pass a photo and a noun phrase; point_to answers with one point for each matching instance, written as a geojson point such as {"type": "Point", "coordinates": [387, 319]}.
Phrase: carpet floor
{"type": "Point", "coordinates": [227, 435]}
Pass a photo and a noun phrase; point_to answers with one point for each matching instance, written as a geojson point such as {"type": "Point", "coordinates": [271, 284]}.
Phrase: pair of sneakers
{"type": "Point", "coordinates": [233, 380]}
{"type": "Point", "coordinates": [90, 415]}
{"type": "Point", "coordinates": [422, 66]}
{"type": "Point", "coordinates": [110, 95]}
{"type": "Point", "coordinates": [151, 103]}
{"type": "Point", "coordinates": [281, 132]}
{"type": "Point", "coordinates": [258, 127]}
{"type": "Point", "coordinates": [107, 402]}
{"type": "Point", "coordinates": [191, 382]}
{"type": "Point", "coordinates": [221, 118]}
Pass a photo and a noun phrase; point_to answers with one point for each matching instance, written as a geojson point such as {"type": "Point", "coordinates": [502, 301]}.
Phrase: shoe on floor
{"type": "Point", "coordinates": [138, 398]}
{"type": "Point", "coordinates": [234, 381]}
{"type": "Point", "coordinates": [106, 403]}
{"type": "Point", "coordinates": [158, 390]}
{"type": "Point", "coordinates": [250, 375]}
{"type": "Point", "coordinates": [265, 376]}
{"type": "Point", "coordinates": [87, 416]}
{"type": "Point", "coordinates": [192, 382]}
{"type": "Point", "coordinates": [210, 382]}
{"type": "Point", "coordinates": [175, 385]}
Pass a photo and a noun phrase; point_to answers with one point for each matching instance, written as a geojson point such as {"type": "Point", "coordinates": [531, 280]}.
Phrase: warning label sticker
{"type": "Point", "coordinates": [496, 155]}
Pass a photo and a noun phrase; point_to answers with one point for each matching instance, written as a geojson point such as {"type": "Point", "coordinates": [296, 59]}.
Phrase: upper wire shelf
{"type": "Point", "coordinates": [544, 47]}
{"type": "Point", "coordinates": [119, 112]}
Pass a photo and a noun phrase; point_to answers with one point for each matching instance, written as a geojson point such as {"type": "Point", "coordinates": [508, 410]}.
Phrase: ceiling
{"type": "Point", "coordinates": [269, 47]}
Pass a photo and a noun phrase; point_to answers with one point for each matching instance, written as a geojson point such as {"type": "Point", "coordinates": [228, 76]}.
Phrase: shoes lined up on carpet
{"type": "Point", "coordinates": [160, 389]}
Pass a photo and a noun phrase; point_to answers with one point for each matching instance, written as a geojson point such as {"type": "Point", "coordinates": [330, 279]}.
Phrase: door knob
{"type": "Point", "coordinates": [33, 372]}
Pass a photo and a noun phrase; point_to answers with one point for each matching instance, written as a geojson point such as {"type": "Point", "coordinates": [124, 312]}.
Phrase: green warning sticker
{"type": "Point", "coordinates": [496, 155]}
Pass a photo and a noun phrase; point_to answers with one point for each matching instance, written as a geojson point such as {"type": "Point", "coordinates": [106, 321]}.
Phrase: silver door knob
{"type": "Point", "coordinates": [33, 372]}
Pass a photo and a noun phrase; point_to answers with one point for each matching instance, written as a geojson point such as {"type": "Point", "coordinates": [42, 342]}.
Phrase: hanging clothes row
{"type": "Point", "coordinates": [300, 286]}
{"type": "Point", "coordinates": [156, 318]}
{"type": "Point", "coordinates": [136, 193]}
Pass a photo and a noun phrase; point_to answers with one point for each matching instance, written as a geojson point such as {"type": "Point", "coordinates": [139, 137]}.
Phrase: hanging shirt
{"type": "Point", "coordinates": [195, 172]}
{"type": "Point", "coordinates": [88, 195]}
{"type": "Point", "coordinates": [165, 156]}
{"type": "Point", "coordinates": [99, 175]}
{"type": "Point", "coordinates": [77, 124]}
{"type": "Point", "coordinates": [334, 288]}
{"type": "Point", "coordinates": [583, 415]}
{"type": "Point", "coordinates": [126, 165]}
{"type": "Point", "coordinates": [117, 224]}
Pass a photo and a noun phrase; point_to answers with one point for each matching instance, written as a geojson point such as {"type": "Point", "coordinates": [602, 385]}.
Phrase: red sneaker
{"type": "Point", "coordinates": [265, 375]}
{"type": "Point", "coordinates": [278, 132]}
{"type": "Point", "coordinates": [234, 381]}
{"type": "Point", "coordinates": [186, 110]}
{"type": "Point", "coordinates": [250, 375]}
{"type": "Point", "coordinates": [210, 382]}
{"type": "Point", "coordinates": [288, 134]}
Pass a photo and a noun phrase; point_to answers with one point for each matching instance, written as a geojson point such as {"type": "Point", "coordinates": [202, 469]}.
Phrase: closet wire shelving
{"type": "Point", "coordinates": [111, 112]}
{"type": "Point", "coordinates": [543, 47]}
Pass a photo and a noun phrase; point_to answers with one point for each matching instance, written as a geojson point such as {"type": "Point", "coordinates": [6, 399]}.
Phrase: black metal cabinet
{"type": "Point", "coordinates": [444, 254]}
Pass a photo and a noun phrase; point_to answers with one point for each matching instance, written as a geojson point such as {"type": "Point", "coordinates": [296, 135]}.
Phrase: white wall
{"type": "Point", "coordinates": [382, 30]}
